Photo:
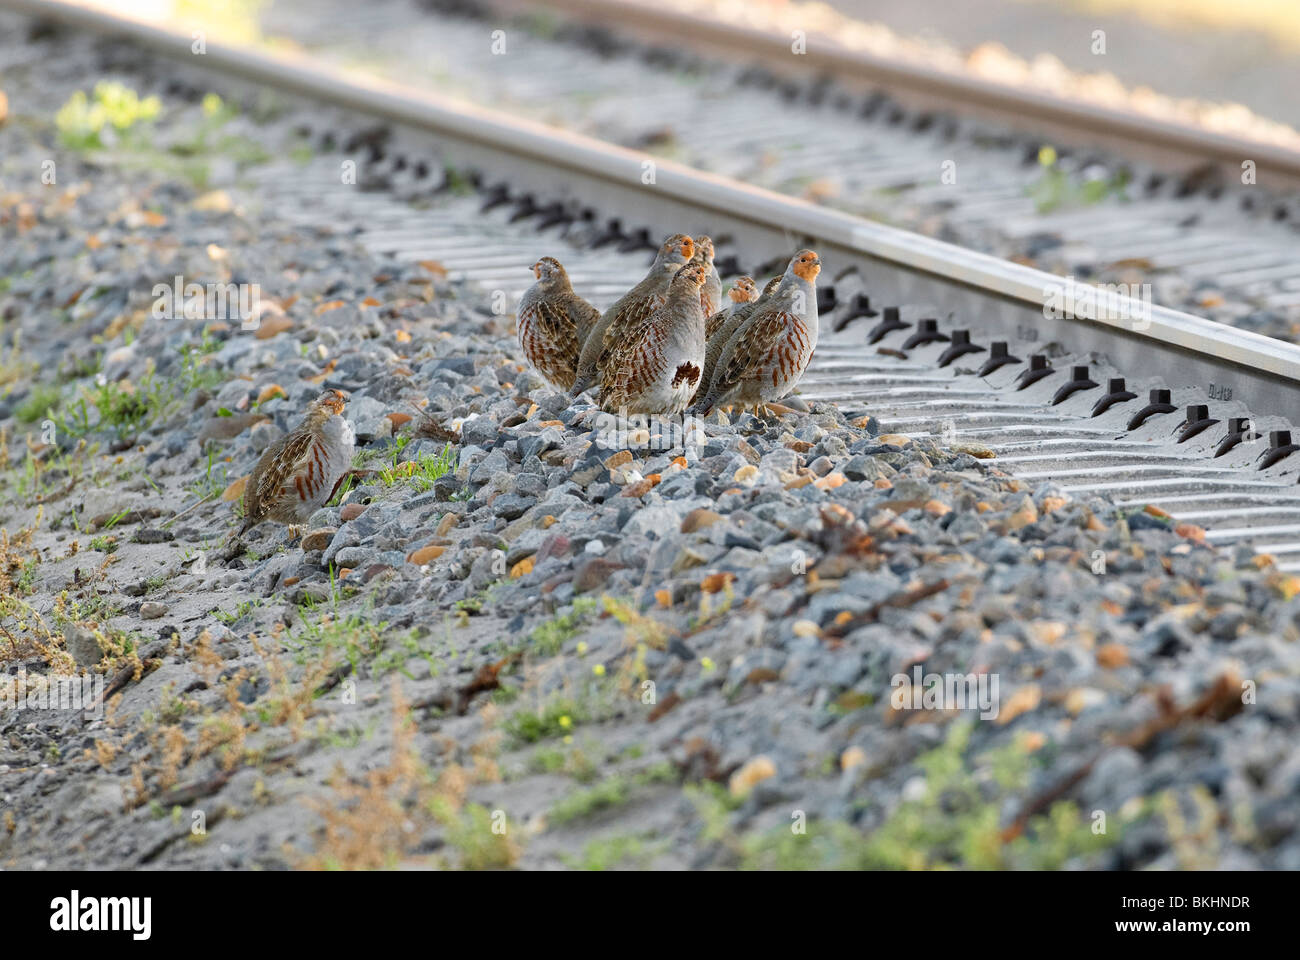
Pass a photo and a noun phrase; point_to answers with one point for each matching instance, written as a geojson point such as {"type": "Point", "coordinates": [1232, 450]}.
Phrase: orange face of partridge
{"type": "Point", "coordinates": [693, 275]}
{"type": "Point", "coordinates": [547, 268]}
{"type": "Point", "coordinates": [807, 265]}
{"type": "Point", "coordinates": [678, 243]}
{"type": "Point", "coordinates": [332, 402]}
{"type": "Point", "coordinates": [742, 291]}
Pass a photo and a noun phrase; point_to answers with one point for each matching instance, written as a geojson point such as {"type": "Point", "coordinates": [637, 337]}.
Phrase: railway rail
{"type": "Point", "coordinates": [899, 310]}
{"type": "Point", "coordinates": [833, 129]}
{"type": "Point", "coordinates": [1170, 145]}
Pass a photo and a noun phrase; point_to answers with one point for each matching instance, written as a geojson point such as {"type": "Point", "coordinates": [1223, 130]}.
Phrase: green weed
{"type": "Point", "coordinates": [106, 116]}
{"type": "Point", "coordinates": [40, 401]}
{"type": "Point", "coordinates": [614, 791]}
{"type": "Point", "coordinates": [549, 638]}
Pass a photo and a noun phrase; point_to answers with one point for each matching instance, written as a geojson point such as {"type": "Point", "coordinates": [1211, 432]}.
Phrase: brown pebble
{"type": "Point", "coordinates": [425, 555]}
{"type": "Point", "coordinates": [618, 459]}
{"type": "Point", "coordinates": [1112, 655]}
{"type": "Point", "coordinates": [638, 489]}
{"type": "Point", "coordinates": [1025, 514]}
{"type": "Point", "coordinates": [593, 574]}
{"type": "Point", "coordinates": [698, 519]}
{"type": "Point", "coordinates": [318, 539]}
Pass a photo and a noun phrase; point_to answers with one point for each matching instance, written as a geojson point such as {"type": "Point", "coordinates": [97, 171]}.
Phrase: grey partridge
{"type": "Point", "coordinates": [657, 367]}
{"type": "Point", "coordinates": [711, 292]}
{"type": "Point", "coordinates": [631, 309]}
{"type": "Point", "coordinates": [297, 474]}
{"type": "Point", "coordinates": [553, 323]}
{"type": "Point", "coordinates": [766, 356]}
{"type": "Point", "coordinates": [719, 328]}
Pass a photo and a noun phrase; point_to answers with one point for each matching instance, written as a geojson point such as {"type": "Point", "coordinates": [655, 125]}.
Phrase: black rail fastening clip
{"type": "Point", "coordinates": [494, 197]}
{"type": "Point", "coordinates": [1198, 419]}
{"type": "Point", "coordinates": [1079, 380]}
{"type": "Point", "coordinates": [1038, 368]}
{"type": "Point", "coordinates": [552, 214]}
{"type": "Point", "coordinates": [1239, 429]}
{"type": "Point", "coordinates": [859, 306]}
{"type": "Point", "coordinates": [998, 357]}
{"type": "Point", "coordinates": [525, 207]}
{"type": "Point", "coordinates": [638, 240]}
{"type": "Point", "coordinates": [1159, 404]}
{"type": "Point", "coordinates": [1115, 393]}
{"type": "Point", "coordinates": [959, 347]}
{"type": "Point", "coordinates": [889, 324]}
{"type": "Point", "coordinates": [927, 331]}
{"type": "Point", "coordinates": [826, 301]}
{"type": "Point", "coordinates": [1279, 447]}
{"type": "Point", "coordinates": [728, 266]}
{"type": "Point", "coordinates": [613, 233]}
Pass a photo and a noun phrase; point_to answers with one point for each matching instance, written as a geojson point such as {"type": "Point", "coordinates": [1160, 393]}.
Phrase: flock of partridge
{"type": "Point", "coordinates": [665, 347]}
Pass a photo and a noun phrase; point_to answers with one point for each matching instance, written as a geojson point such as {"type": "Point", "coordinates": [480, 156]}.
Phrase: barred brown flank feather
{"type": "Point", "coordinates": [656, 367]}
{"type": "Point", "coordinates": [715, 323]}
{"type": "Point", "coordinates": [296, 474]}
{"type": "Point", "coordinates": [718, 338]}
{"type": "Point", "coordinates": [630, 311]}
{"type": "Point", "coordinates": [767, 351]}
{"type": "Point", "coordinates": [553, 322]}
{"type": "Point", "coordinates": [631, 319]}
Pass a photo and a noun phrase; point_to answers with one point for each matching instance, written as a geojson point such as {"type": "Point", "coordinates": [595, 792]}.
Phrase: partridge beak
{"type": "Point", "coordinates": [537, 270]}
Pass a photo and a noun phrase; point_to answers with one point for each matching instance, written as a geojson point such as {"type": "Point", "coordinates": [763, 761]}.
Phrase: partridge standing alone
{"type": "Point", "coordinates": [554, 322]}
{"type": "Point", "coordinates": [766, 356]}
{"type": "Point", "coordinates": [657, 367]}
{"type": "Point", "coordinates": [630, 310]}
{"type": "Point", "coordinates": [719, 327]}
{"type": "Point", "coordinates": [297, 474]}
{"type": "Point", "coordinates": [711, 292]}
